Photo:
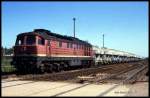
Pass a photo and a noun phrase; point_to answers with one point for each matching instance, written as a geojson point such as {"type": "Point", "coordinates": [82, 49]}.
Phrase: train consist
{"type": "Point", "coordinates": [111, 56]}
{"type": "Point", "coordinates": [44, 51]}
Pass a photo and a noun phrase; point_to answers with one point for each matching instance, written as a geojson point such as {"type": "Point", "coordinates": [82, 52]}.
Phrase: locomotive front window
{"type": "Point", "coordinates": [30, 40]}
{"type": "Point", "coordinates": [20, 41]}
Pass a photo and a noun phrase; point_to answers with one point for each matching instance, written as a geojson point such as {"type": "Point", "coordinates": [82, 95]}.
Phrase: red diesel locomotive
{"type": "Point", "coordinates": [44, 51]}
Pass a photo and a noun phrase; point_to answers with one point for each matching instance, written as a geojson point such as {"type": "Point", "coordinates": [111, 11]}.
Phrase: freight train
{"type": "Point", "coordinates": [44, 51]}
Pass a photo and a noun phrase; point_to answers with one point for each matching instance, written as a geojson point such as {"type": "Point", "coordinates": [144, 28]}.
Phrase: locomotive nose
{"type": "Point", "coordinates": [20, 50]}
{"type": "Point", "coordinates": [23, 49]}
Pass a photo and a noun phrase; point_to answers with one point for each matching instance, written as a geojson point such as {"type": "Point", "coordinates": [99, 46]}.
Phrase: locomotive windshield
{"type": "Point", "coordinates": [28, 40]}
{"type": "Point", "coordinates": [20, 41]}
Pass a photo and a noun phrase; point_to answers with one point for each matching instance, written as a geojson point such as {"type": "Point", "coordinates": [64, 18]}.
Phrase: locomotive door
{"type": "Point", "coordinates": [48, 48]}
{"type": "Point", "coordinates": [74, 49]}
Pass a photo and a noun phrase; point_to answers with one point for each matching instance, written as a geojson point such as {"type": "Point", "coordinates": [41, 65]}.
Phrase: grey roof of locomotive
{"type": "Point", "coordinates": [48, 35]}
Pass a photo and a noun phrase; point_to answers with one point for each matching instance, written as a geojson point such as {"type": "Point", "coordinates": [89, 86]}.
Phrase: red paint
{"type": "Point", "coordinates": [53, 48]}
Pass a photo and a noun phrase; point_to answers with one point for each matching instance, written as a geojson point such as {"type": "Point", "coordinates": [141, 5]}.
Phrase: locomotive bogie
{"type": "Point", "coordinates": [49, 64]}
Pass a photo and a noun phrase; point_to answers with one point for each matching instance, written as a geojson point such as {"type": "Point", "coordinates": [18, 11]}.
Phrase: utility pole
{"type": "Point", "coordinates": [103, 40]}
{"type": "Point", "coordinates": [104, 56]}
{"type": "Point", "coordinates": [74, 26]}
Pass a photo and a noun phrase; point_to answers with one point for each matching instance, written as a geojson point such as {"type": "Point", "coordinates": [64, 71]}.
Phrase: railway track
{"type": "Point", "coordinates": [134, 70]}
{"type": "Point", "coordinates": [122, 73]}
{"type": "Point", "coordinates": [135, 75]}
{"type": "Point", "coordinates": [110, 71]}
{"type": "Point", "coordinates": [116, 76]}
{"type": "Point", "coordinates": [67, 75]}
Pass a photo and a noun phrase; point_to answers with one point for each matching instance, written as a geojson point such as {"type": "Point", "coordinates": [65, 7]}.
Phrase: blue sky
{"type": "Point", "coordinates": [125, 24]}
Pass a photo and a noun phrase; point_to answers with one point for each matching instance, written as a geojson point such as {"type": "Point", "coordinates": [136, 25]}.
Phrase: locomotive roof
{"type": "Point", "coordinates": [48, 35]}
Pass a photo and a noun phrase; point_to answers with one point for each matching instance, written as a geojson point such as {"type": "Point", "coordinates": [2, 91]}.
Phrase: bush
{"type": "Point", "coordinates": [6, 67]}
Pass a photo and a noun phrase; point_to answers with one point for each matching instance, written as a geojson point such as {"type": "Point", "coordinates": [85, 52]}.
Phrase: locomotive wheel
{"type": "Point", "coordinates": [50, 68]}
{"type": "Point", "coordinates": [89, 66]}
{"type": "Point", "coordinates": [57, 67]}
{"type": "Point", "coordinates": [65, 67]}
{"type": "Point", "coordinates": [62, 66]}
{"type": "Point", "coordinates": [42, 68]}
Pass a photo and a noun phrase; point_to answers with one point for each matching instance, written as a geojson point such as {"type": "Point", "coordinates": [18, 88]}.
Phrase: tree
{"type": "Point", "coordinates": [6, 51]}
{"type": "Point", "coordinates": [2, 51]}
{"type": "Point", "coordinates": [9, 51]}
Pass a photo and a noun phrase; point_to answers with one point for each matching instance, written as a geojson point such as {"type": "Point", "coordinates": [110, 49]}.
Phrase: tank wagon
{"type": "Point", "coordinates": [111, 56]}
{"type": "Point", "coordinates": [44, 51]}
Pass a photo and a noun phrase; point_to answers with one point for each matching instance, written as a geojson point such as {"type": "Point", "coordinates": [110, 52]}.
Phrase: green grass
{"type": "Point", "coordinates": [6, 66]}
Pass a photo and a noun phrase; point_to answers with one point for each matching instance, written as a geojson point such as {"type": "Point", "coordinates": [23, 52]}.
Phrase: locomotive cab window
{"type": "Point", "coordinates": [20, 41]}
{"type": "Point", "coordinates": [30, 40]}
{"type": "Point", "coordinates": [41, 41]}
